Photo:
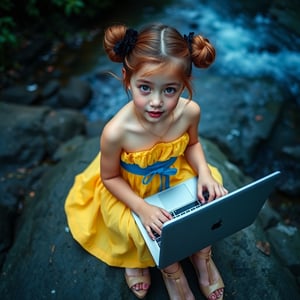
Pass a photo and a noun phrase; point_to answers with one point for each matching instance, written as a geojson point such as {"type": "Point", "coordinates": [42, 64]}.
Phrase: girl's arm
{"type": "Point", "coordinates": [152, 217]}
{"type": "Point", "coordinates": [196, 158]}
{"type": "Point", "coordinates": [110, 170]}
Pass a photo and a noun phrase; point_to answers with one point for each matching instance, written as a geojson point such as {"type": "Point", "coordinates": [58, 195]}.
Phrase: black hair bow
{"type": "Point", "coordinates": [123, 47]}
{"type": "Point", "coordinates": [189, 39]}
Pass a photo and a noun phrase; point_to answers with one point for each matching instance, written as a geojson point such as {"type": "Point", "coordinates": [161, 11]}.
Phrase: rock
{"type": "Point", "coordinates": [94, 128]}
{"type": "Point", "coordinates": [287, 235]}
{"type": "Point", "coordinates": [268, 218]}
{"type": "Point", "coordinates": [232, 176]}
{"type": "Point", "coordinates": [50, 88]}
{"type": "Point", "coordinates": [293, 152]}
{"type": "Point", "coordinates": [46, 262]}
{"type": "Point", "coordinates": [287, 14]}
{"type": "Point", "coordinates": [243, 119]}
{"type": "Point", "coordinates": [50, 95]}
{"type": "Point", "coordinates": [28, 134]}
{"type": "Point", "coordinates": [52, 101]}
{"type": "Point", "coordinates": [7, 217]}
{"type": "Point", "coordinates": [75, 94]}
{"type": "Point", "coordinates": [66, 148]}
{"type": "Point", "coordinates": [33, 50]}
{"type": "Point", "coordinates": [61, 125]}
{"type": "Point", "coordinates": [22, 137]}
{"type": "Point", "coordinates": [19, 94]}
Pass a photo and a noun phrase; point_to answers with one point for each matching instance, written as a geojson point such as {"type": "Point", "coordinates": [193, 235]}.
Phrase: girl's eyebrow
{"type": "Point", "coordinates": [174, 83]}
{"type": "Point", "coordinates": [144, 81]}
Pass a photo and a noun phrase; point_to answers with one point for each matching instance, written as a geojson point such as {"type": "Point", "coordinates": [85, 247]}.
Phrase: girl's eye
{"type": "Point", "coordinates": [144, 88]}
{"type": "Point", "coordinates": [170, 90]}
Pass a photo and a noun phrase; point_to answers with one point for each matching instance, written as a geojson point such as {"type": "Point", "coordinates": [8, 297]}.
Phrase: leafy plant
{"type": "Point", "coordinates": [7, 37]}
{"type": "Point", "coordinates": [18, 16]}
{"type": "Point", "coordinates": [70, 6]}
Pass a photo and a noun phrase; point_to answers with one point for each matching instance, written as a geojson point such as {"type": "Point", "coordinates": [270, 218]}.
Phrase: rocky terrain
{"type": "Point", "coordinates": [45, 140]}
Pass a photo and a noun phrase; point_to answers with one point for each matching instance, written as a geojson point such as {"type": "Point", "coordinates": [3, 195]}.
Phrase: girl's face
{"type": "Point", "coordinates": [155, 94]}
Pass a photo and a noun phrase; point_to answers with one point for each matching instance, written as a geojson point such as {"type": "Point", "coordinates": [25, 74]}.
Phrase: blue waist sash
{"type": "Point", "coordinates": [161, 168]}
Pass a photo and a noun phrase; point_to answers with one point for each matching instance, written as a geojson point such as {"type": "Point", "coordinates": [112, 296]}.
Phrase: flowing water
{"type": "Point", "coordinates": [248, 46]}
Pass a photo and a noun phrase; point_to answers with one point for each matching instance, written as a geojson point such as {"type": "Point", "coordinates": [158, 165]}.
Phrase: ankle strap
{"type": "Point", "coordinates": [174, 275]}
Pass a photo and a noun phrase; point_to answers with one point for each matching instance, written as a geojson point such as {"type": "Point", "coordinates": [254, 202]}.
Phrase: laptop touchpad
{"type": "Point", "coordinates": [176, 197]}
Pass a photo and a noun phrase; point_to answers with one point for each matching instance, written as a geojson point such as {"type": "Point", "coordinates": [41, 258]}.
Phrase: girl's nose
{"type": "Point", "coordinates": [156, 100]}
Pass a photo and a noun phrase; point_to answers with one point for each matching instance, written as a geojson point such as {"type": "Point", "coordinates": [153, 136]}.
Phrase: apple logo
{"type": "Point", "coordinates": [217, 225]}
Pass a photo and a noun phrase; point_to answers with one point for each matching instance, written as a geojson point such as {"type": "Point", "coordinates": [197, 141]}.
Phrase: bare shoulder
{"type": "Point", "coordinates": [115, 130]}
{"type": "Point", "coordinates": [190, 108]}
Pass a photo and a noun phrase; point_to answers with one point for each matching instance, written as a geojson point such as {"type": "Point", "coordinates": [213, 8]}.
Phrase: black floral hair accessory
{"type": "Point", "coordinates": [123, 47]}
{"type": "Point", "coordinates": [189, 39]}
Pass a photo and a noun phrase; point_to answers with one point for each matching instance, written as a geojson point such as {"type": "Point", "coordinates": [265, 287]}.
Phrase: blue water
{"type": "Point", "coordinates": [248, 47]}
{"type": "Point", "coordinates": [243, 50]}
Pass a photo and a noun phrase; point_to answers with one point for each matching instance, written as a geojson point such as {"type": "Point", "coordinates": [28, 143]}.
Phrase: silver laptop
{"type": "Point", "coordinates": [195, 225]}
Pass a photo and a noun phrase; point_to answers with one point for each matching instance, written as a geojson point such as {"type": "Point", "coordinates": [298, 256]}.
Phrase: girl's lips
{"type": "Point", "coordinates": [155, 114]}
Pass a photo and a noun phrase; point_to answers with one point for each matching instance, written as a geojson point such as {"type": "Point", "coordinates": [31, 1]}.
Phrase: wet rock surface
{"type": "Point", "coordinates": [45, 262]}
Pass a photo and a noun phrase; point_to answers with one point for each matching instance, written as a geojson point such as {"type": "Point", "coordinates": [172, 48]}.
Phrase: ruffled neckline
{"type": "Point", "coordinates": [159, 152]}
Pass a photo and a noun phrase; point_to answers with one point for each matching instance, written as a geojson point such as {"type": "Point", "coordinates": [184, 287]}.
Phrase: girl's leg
{"type": "Point", "coordinates": [210, 281]}
{"type": "Point", "coordinates": [176, 283]}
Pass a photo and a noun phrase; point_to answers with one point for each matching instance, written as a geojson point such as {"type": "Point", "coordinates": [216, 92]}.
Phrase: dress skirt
{"type": "Point", "coordinates": [102, 224]}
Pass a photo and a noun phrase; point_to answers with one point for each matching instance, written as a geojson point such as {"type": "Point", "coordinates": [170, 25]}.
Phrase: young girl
{"type": "Point", "coordinates": [150, 144]}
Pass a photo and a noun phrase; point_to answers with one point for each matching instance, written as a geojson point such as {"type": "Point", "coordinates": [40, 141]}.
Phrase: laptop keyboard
{"type": "Point", "coordinates": [189, 207]}
{"type": "Point", "coordinates": [180, 212]}
{"type": "Point", "coordinates": [185, 209]}
{"type": "Point", "coordinates": [157, 238]}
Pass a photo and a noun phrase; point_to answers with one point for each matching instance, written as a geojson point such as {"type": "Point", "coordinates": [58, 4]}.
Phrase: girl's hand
{"type": "Point", "coordinates": [153, 218]}
{"type": "Point", "coordinates": [215, 189]}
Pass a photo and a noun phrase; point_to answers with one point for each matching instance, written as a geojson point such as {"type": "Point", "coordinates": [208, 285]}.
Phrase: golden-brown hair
{"type": "Point", "coordinates": [159, 44]}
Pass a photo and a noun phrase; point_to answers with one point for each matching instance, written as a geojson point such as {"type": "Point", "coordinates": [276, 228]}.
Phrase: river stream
{"type": "Point", "coordinates": [250, 44]}
{"type": "Point", "coordinates": [247, 46]}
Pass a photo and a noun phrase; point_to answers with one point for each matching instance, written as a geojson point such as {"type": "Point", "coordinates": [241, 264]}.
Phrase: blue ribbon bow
{"type": "Point", "coordinates": [161, 168]}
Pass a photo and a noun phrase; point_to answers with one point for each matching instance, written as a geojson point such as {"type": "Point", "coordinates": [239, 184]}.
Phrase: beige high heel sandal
{"type": "Point", "coordinates": [213, 286]}
{"type": "Point", "coordinates": [174, 284]}
{"type": "Point", "coordinates": [132, 280]}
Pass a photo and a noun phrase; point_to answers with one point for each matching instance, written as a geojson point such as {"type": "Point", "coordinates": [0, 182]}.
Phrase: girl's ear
{"type": "Point", "coordinates": [124, 73]}
{"type": "Point", "coordinates": [124, 77]}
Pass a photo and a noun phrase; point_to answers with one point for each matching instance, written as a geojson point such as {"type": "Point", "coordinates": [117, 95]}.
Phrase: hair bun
{"type": "Point", "coordinates": [203, 52]}
{"type": "Point", "coordinates": [113, 36]}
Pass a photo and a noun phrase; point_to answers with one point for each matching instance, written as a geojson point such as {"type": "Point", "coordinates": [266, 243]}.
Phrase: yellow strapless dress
{"type": "Point", "coordinates": [102, 224]}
